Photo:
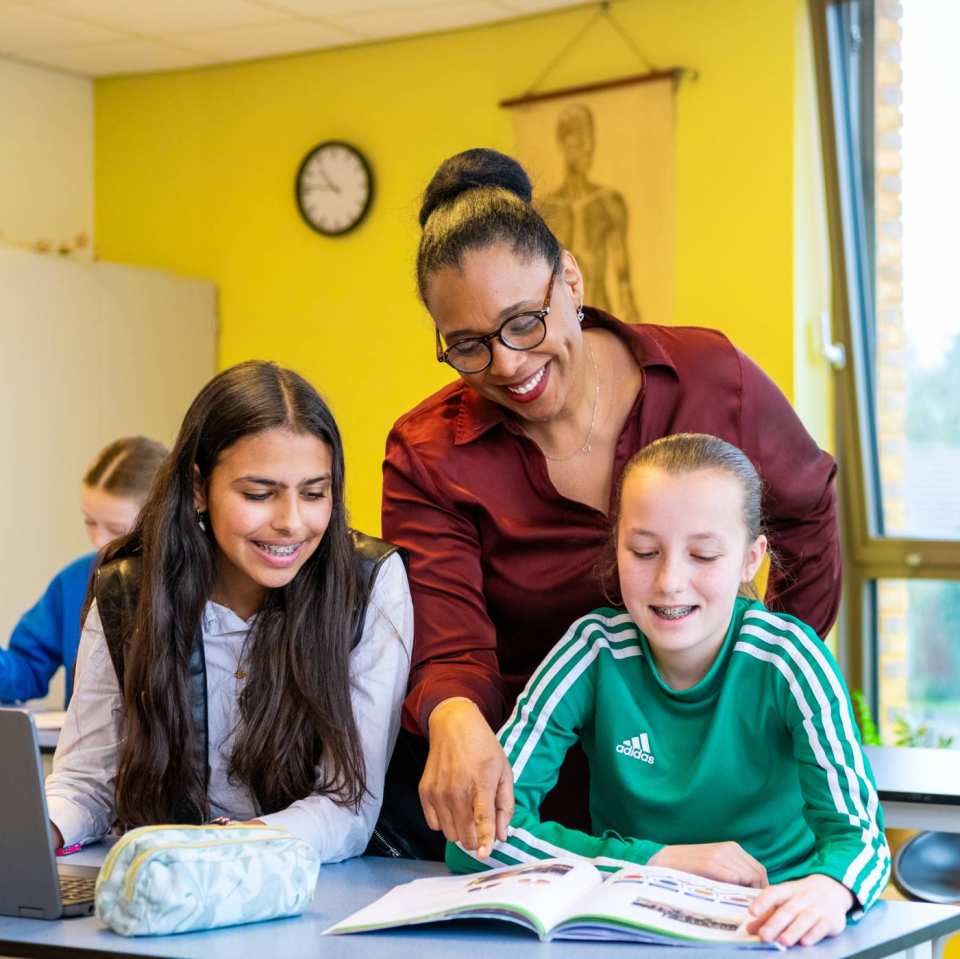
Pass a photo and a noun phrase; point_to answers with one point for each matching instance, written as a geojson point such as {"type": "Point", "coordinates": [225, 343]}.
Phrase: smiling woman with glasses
{"type": "Point", "coordinates": [499, 486]}
{"type": "Point", "coordinates": [519, 331]}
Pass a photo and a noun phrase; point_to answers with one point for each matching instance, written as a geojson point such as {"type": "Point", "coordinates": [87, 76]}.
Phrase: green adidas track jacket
{"type": "Point", "coordinates": [763, 751]}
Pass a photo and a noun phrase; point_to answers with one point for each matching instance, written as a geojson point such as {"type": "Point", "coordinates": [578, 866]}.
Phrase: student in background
{"type": "Point", "coordinates": [720, 736]}
{"type": "Point", "coordinates": [272, 644]}
{"type": "Point", "coordinates": [46, 637]}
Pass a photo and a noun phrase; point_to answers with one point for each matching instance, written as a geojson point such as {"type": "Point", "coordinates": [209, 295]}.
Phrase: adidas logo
{"type": "Point", "coordinates": [637, 747]}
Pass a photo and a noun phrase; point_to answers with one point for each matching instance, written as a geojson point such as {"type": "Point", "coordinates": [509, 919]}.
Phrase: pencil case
{"type": "Point", "coordinates": [159, 880]}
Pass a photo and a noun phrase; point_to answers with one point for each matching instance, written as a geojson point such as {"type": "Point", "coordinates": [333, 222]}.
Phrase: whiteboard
{"type": "Point", "coordinates": [88, 352]}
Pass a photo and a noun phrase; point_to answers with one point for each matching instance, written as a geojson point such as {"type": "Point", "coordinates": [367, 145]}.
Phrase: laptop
{"type": "Point", "coordinates": [32, 883]}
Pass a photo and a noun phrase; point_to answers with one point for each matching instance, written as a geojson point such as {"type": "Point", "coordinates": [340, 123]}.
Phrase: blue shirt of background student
{"type": "Point", "coordinates": [47, 636]}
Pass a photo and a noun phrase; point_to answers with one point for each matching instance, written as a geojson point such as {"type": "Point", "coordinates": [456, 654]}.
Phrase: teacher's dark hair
{"type": "Point", "coordinates": [476, 199]}
{"type": "Point", "coordinates": [295, 705]}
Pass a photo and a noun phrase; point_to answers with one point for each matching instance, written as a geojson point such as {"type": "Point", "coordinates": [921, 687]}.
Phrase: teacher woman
{"type": "Point", "coordinates": [500, 485]}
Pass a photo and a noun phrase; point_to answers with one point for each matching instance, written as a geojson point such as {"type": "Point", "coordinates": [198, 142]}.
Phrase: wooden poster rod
{"type": "Point", "coordinates": [675, 74]}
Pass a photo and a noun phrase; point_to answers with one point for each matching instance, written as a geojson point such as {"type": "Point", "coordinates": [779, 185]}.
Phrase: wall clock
{"type": "Point", "coordinates": [334, 188]}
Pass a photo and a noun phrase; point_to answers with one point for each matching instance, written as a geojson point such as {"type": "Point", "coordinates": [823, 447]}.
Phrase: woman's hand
{"type": "Point", "coordinates": [467, 785]}
{"type": "Point", "coordinates": [803, 911]}
{"type": "Point", "coordinates": [56, 837]}
{"type": "Point", "coordinates": [724, 861]}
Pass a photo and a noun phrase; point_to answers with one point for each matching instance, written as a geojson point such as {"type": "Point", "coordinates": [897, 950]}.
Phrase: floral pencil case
{"type": "Point", "coordinates": [159, 880]}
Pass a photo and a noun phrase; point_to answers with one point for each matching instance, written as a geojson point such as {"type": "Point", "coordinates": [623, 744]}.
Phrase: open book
{"type": "Point", "coordinates": [572, 899]}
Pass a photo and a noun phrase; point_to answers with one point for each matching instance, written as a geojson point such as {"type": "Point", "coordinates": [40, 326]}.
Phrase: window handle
{"type": "Point", "coordinates": [834, 353]}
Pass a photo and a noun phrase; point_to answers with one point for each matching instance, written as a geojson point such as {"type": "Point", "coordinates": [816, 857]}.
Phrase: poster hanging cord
{"type": "Point", "coordinates": [625, 36]}
{"type": "Point", "coordinates": [602, 12]}
{"type": "Point", "coordinates": [652, 74]}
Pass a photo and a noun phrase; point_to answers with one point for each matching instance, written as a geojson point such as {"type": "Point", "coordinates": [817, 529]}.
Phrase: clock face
{"type": "Point", "coordinates": [334, 188]}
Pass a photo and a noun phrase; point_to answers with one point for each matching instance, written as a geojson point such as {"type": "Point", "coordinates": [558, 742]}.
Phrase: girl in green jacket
{"type": "Point", "coordinates": [720, 735]}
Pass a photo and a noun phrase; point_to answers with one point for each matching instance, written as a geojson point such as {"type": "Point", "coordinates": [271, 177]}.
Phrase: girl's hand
{"type": "Point", "coordinates": [803, 911]}
{"type": "Point", "coordinates": [56, 837]}
{"type": "Point", "coordinates": [467, 784]}
{"type": "Point", "coordinates": [724, 861]}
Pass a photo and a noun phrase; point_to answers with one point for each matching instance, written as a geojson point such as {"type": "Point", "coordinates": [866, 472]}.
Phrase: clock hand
{"type": "Point", "coordinates": [323, 173]}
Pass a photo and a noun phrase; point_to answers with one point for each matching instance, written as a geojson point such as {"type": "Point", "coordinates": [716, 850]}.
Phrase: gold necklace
{"type": "Point", "coordinates": [585, 446]}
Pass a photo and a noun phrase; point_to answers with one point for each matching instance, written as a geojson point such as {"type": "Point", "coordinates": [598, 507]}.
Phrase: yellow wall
{"type": "Point", "coordinates": [813, 377]}
{"type": "Point", "coordinates": [194, 173]}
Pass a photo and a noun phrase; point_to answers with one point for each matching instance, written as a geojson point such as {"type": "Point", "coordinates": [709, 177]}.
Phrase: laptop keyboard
{"type": "Point", "coordinates": [76, 890]}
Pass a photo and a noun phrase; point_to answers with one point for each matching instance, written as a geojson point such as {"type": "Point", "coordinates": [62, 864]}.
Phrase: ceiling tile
{"type": "Point", "coordinates": [536, 6]}
{"type": "Point", "coordinates": [23, 29]}
{"type": "Point", "coordinates": [130, 56]}
{"type": "Point", "coordinates": [376, 24]}
{"type": "Point", "coordinates": [163, 17]}
{"type": "Point", "coordinates": [114, 36]}
{"type": "Point", "coordinates": [244, 43]}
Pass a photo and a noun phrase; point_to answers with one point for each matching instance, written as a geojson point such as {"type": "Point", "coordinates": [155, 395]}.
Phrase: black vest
{"type": "Point", "coordinates": [117, 589]}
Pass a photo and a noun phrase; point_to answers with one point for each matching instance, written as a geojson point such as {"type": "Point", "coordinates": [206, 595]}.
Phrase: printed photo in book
{"type": "Point", "coordinates": [573, 899]}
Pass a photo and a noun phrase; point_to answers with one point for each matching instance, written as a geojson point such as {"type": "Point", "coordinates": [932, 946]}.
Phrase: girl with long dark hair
{"type": "Point", "coordinates": [245, 653]}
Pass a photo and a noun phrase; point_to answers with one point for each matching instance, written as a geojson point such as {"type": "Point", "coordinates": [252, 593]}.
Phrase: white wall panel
{"type": "Point", "coordinates": [88, 352]}
{"type": "Point", "coordinates": [46, 154]}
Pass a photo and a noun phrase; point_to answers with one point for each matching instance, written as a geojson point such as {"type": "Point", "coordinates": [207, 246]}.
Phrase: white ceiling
{"type": "Point", "coordinates": [103, 37]}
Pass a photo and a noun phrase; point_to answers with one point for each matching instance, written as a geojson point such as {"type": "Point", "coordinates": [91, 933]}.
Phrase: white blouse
{"type": "Point", "coordinates": [80, 790]}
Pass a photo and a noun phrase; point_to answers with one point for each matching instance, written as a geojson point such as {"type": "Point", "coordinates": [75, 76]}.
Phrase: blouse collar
{"type": "Point", "coordinates": [220, 620]}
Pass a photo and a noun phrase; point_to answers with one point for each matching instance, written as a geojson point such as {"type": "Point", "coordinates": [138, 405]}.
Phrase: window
{"type": "Point", "coordinates": [888, 84]}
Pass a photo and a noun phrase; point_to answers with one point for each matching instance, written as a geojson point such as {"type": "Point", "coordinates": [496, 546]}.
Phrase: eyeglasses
{"type": "Point", "coordinates": [522, 331]}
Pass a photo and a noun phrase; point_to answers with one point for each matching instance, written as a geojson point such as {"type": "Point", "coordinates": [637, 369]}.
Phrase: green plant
{"type": "Point", "coordinates": [906, 735]}
{"type": "Point", "coordinates": [903, 733]}
{"type": "Point", "coordinates": [868, 728]}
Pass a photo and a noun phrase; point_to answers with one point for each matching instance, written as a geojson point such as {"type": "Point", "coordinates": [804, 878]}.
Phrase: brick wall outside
{"type": "Point", "coordinates": [891, 361]}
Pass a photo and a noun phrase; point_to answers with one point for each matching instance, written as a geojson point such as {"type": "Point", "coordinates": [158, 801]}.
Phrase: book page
{"type": "Point", "coordinates": [669, 903]}
{"type": "Point", "coordinates": [535, 893]}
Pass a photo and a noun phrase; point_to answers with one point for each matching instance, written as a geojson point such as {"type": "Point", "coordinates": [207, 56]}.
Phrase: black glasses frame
{"type": "Point", "coordinates": [497, 334]}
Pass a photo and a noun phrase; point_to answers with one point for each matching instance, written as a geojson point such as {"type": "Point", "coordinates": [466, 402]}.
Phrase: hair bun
{"type": "Point", "coordinates": [471, 170]}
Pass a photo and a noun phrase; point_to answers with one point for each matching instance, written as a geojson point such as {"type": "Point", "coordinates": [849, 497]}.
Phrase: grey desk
{"type": "Point", "coordinates": [891, 928]}
{"type": "Point", "coordinates": [919, 788]}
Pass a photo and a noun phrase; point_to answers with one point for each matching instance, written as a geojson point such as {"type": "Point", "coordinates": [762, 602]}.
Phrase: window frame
{"type": "Point", "coordinates": [869, 554]}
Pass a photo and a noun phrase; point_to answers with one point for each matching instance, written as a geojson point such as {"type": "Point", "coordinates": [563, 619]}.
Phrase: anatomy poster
{"type": "Point", "coordinates": [602, 163]}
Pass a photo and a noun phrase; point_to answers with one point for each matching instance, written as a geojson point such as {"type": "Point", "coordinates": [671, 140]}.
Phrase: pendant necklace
{"type": "Point", "coordinates": [585, 446]}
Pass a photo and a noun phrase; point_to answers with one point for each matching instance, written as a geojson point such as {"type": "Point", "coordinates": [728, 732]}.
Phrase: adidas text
{"type": "Point", "coordinates": [637, 747]}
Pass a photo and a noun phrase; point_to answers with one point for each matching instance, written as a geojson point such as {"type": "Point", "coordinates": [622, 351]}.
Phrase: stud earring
{"type": "Point", "coordinates": [580, 314]}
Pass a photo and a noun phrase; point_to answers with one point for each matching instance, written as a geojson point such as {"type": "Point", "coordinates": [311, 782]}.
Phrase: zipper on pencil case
{"type": "Point", "coordinates": [107, 868]}
{"type": "Point", "coordinates": [140, 859]}
{"type": "Point", "coordinates": [118, 847]}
